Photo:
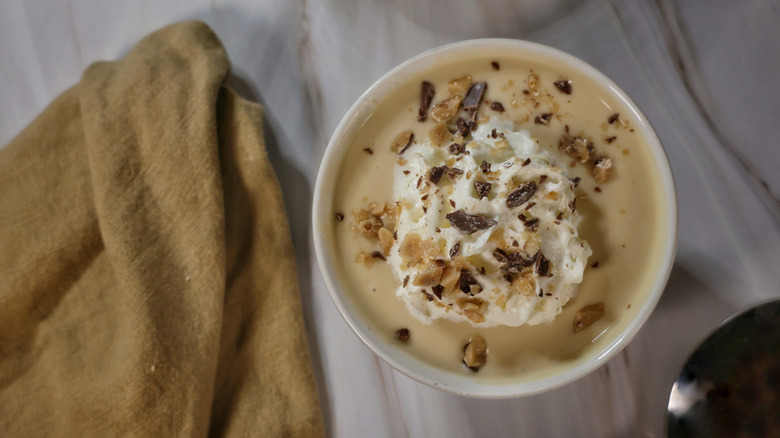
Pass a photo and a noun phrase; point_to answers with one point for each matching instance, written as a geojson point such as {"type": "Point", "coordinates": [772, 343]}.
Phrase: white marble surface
{"type": "Point", "coordinates": [705, 74]}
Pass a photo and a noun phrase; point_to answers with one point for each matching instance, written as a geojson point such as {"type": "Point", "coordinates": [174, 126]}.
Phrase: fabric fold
{"type": "Point", "coordinates": [147, 277]}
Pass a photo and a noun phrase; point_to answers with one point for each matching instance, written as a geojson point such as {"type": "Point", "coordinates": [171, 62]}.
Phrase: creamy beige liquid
{"type": "Point", "coordinates": [622, 223]}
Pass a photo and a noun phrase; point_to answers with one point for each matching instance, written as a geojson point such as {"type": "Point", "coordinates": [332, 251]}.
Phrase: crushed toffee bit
{"type": "Point", "coordinates": [378, 255]}
{"type": "Point", "coordinates": [542, 178]}
{"type": "Point", "coordinates": [602, 169]}
{"type": "Point", "coordinates": [467, 283]}
{"type": "Point", "coordinates": [485, 166]}
{"type": "Point", "coordinates": [475, 353]}
{"type": "Point", "coordinates": [474, 97]}
{"type": "Point", "coordinates": [613, 118]}
{"type": "Point", "coordinates": [576, 181]}
{"type": "Point", "coordinates": [597, 189]}
{"type": "Point", "coordinates": [446, 110]}
{"type": "Point", "coordinates": [406, 281]}
{"type": "Point", "coordinates": [455, 250]}
{"type": "Point", "coordinates": [436, 173]}
{"type": "Point", "coordinates": [576, 147]}
{"type": "Point", "coordinates": [369, 151]}
{"type": "Point", "coordinates": [339, 217]}
{"type": "Point", "coordinates": [462, 126]}
{"type": "Point", "coordinates": [457, 149]}
{"type": "Point", "coordinates": [495, 65]}
{"type": "Point", "coordinates": [402, 142]}
{"type": "Point", "coordinates": [386, 240]}
{"type": "Point", "coordinates": [468, 224]}
{"type": "Point", "coordinates": [437, 290]}
{"type": "Point", "coordinates": [427, 91]}
{"type": "Point", "coordinates": [563, 86]}
{"type": "Point", "coordinates": [610, 139]}
{"type": "Point", "coordinates": [587, 316]}
{"type": "Point", "coordinates": [521, 194]}
{"type": "Point", "coordinates": [402, 335]}
{"type": "Point", "coordinates": [482, 188]}
{"type": "Point", "coordinates": [543, 119]}
{"type": "Point", "coordinates": [496, 106]}
{"type": "Point", "coordinates": [526, 162]}
{"type": "Point", "coordinates": [454, 172]}
{"type": "Point", "coordinates": [595, 265]}
{"type": "Point", "coordinates": [543, 267]}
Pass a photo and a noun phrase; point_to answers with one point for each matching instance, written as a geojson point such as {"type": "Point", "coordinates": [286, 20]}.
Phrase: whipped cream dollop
{"type": "Point", "coordinates": [486, 230]}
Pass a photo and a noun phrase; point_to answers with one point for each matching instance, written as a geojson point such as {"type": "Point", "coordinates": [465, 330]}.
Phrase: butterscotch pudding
{"type": "Point", "coordinates": [499, 211]}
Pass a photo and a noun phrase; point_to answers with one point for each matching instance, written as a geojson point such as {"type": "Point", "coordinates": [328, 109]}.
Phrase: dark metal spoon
{"type": "Point", "coordinates": [730, 385]}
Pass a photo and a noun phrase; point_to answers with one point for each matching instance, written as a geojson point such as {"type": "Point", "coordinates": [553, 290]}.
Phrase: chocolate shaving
{"type": "Point", "coordinates": [496, 106]}
{"type": "Point", "coordinates": [455, 250]}
{"type": "Point", "coordinates": [526, 162]}
{"type": "Point", "coordinates": [482, 270]}
{"type": "Point", "coordinates": [402, 334]}
{"type": "Point", "coordinates": [509, 277]}
{"type": "Point", "coordinates": [454, 172]}
{"type": "Point", "coordinates": [482, 188]}
{"type": "Point", "coordinates": [452, 203]}
{"type": "Point", "coordinates": [495, 65]}
{"type": "Point", "coordinates": [406, 172]}
{"type": "Point", "coordinates": [339, 217]}
{"type": "Point", "coordinates": [428, 296]}
{"type": "Point", "coordinates": [466, 280]}
{"type": "Point", "coordinates": [613, 118]}
{"type": "Point", "coordinates": [493, 133]}
{"type": "Point", "coordinates": [573, 205]}
{"type": "Point", "coordinates": [532, 224]}
{"type": "Point", "coordinates": [563, 86]}
{"type": "Point", "coordinates": [513, 262]}
{"type": "Point", "coordinates": [436, 173]}
{"type": "Point", "coordinates": [427, 91]}
{"type": "Point", "coordinates": [576, 181]}
{"type": "Point", "coordinates": [542, 178]}
{"type": "Point", "coordinates": [463, 127]}
{"type": "Point", "coordinates": [406, 280]}
{"type": "Point", "coordinates": [485, 166]}
{"type": "Point", "coordinates": [378, 255]}
{"type": "Point", "coordinates": [395, 235]}
{"type": "Point", "coordinates": [597, 189]}
{"type": "Point", "coordinates": [543, 119]}
{"type": "Point", "coordinates": [559, 216]}
{"type": "Point", "coordinates": [521, 195]}
{"type": "Point", "coordinates": [474, 96]}
{"type": "Point", "coordinates": [595, 265]}
{"type": "Point", "coordinates": [500, 255]}
{"type": "Point", "coordinates": [437, 290]}
{"type": "Point", "coordinates": [530, 206]}
{"type": "Point", "coordinates": [457, 149]}
{"type": "Point", "coordinates": [369, 151]}
{"type": "Point", "coordinates": [610, 139]}
{"type": "Point", "coordinates": [468, 224]}
{"type": "Point", "coordinates": [543, 267]}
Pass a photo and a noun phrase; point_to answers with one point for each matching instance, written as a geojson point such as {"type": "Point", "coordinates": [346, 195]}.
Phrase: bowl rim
{"type": "Point", "coordinates": [322, 211]}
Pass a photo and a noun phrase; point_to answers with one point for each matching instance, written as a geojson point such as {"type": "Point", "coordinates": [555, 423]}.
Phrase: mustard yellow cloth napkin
{"type": "Point", "coordinates": [147, 279]}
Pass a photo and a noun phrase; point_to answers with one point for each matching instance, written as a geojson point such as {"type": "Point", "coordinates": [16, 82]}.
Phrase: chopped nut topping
{"type": "Point", "coordinates": [459, 86]}
{"type": "Point", "coordinates": [446, 110]}
{"type": "Point", "coordinates": [563, 86]}
{"type": "Point", "coordinates": [439, 134]}
{"type": "Point", "coordinates": [602, 169]}
{"type": "Point", "coordinates": [468, 224]}
{"type": "Point", "coordinates": [368, 224]}
{"type": "Point", "coordinates": [521, 194]}
{"type": "Point", "coordinates": [576, 147]}
{"type": "Point", "coordinates": [428, 277]}
{"type": "Point", "coordinates": [587, 316]}
{"type": "Point", "coordinates": [427, 91]}
{"type": "Point", "coordinates": [386, 240]}
{"type": "Point", "coordinates": [402, 142]}
{"type": "Point", "coordinates": [482, 188]}
{"type": "Point", "coordinates": [402, 335]}
{"type": "Point", "coordinates": [475, 353]}
{"type": "Point", "coordinates": [543, 119]}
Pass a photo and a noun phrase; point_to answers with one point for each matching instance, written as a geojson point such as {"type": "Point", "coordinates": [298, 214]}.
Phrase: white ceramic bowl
{"type": "Point", "coordinates": [324, 229]}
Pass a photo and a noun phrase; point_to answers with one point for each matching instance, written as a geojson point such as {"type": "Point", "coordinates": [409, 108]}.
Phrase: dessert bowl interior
{"type": "Point", "coordinates": [610, 338]}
